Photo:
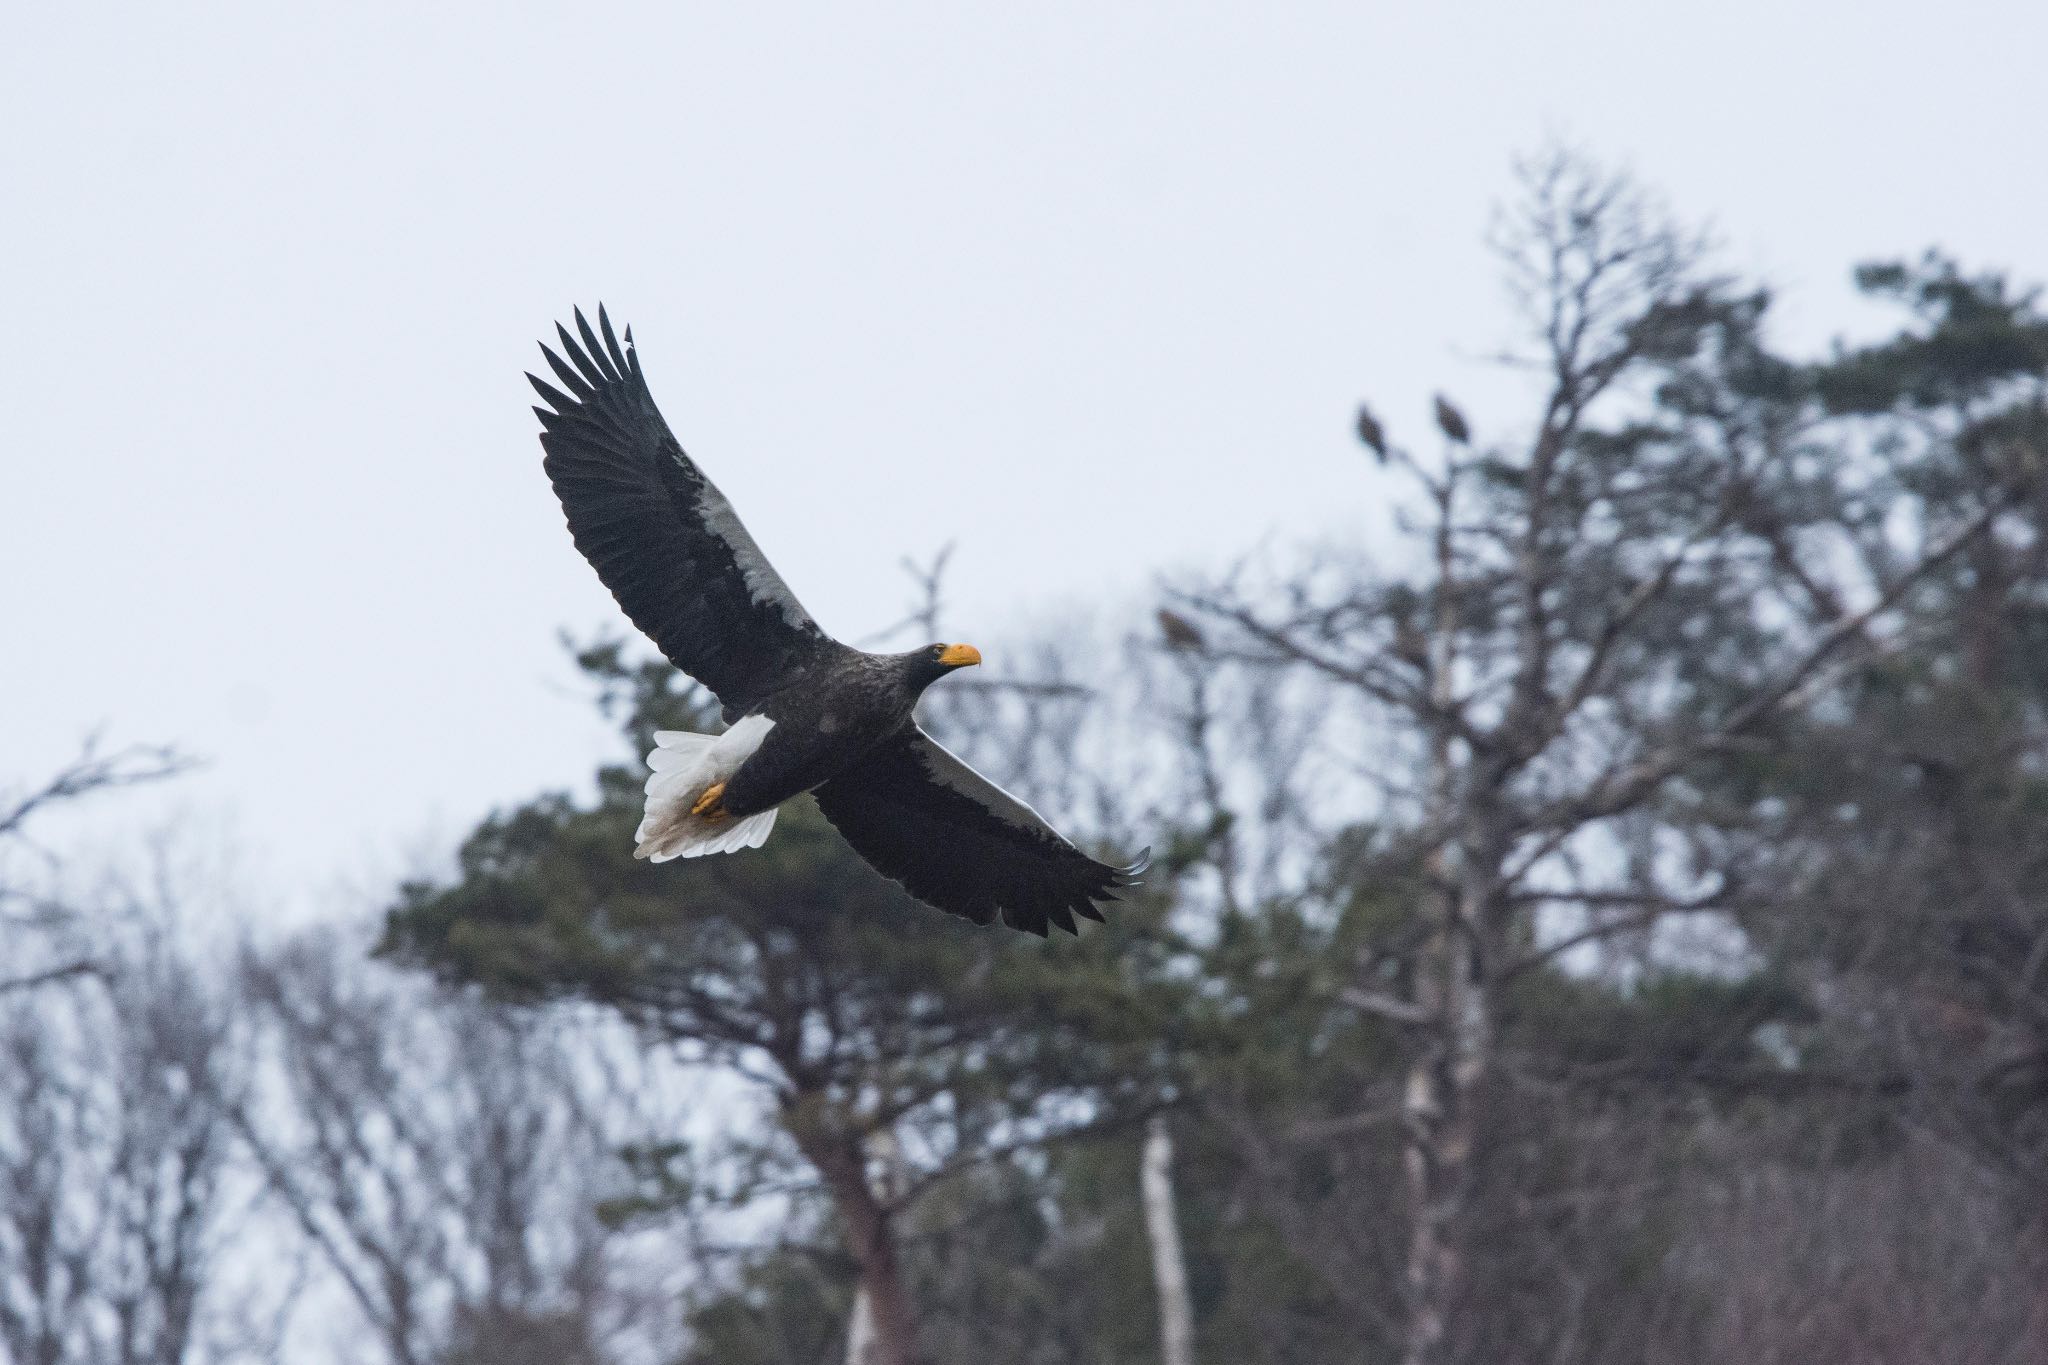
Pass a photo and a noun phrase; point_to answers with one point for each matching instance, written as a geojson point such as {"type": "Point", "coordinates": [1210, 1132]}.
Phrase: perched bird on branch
{"type": "Point", "coordinates": [1452, 421]}
{"type": "Point", "coordinates": [804, 712]}
{"type": "Point", "coordinates": [1179, 632]}
{"type": "Point", "coordinates": [1372, 433]}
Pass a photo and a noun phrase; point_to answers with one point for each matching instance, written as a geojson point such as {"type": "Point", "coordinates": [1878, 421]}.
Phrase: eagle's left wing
{"type": "Point", "coordinates": [660, 534]}
{"type": "Point", "coordinates": [959, 842]}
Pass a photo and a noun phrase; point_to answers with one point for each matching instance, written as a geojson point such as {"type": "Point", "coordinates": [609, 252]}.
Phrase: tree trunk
{"type": "Point", "coordinates": [885, 1300]}
{"type": "Point", "coordinates": [1443, 1080]}
{"type": "Point", "coordinates": [1169, 1265]}
{"type": "Point", "coordinates": [1440, 1123]}
{"type": "Point", "coordinates": [860, 1330]}
{"type": "Point", "coordinates": [883, 1327]}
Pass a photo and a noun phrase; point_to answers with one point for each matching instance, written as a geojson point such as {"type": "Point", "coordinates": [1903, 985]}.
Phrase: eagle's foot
{"type": "Point", "coordinates": [708, 805]}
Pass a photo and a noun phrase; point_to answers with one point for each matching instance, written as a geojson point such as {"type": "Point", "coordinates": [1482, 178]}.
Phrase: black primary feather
{"type": "Point", "coordinates": [958, 841]}
{"type": "Point", "coordinates": [660, 535]}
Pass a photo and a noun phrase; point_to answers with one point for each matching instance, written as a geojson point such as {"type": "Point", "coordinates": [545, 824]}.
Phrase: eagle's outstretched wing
{"type": "Point", "coordinates": [660, 535]}
{"type": "Point", "coordinates": [958, 841]}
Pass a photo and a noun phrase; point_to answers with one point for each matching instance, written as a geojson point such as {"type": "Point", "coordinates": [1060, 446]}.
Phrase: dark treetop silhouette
{"type": "Point", "coordinates": [805, 712]}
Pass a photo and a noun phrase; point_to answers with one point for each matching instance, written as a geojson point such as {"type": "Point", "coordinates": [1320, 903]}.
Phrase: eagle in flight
{"type": "Point", "coordinates": [804, 713]}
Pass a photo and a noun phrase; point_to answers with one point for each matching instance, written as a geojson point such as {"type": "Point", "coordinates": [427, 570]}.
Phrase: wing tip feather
{"type": "Point", "coordinates": [554, 397]}
{"type": "Point", "coordinates": [1133, 872]}
{"type": "Point", "coordinates": [577, 383]}
{"type": "Point", "coordinates": [591, 376]}
{"type": "Point", "coordinates": [598, 357]}
{"type": "Point", "coordinates": [611, 342]}
{"type": "Point", "coordinates": [595, 349]}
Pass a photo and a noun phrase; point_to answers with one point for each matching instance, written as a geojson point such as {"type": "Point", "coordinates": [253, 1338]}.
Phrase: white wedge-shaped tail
{"type": "Point", "coordinates": [685, 766]}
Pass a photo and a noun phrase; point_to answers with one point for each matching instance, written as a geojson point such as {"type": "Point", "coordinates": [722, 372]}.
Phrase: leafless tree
{"type": "Point", "coordinates": [116, 1161]}
{"type": "Point", "coordinates": [42, 944]}
{"type": "Point", "coordinates": [1599, 615]}
{"type": "Point", "coordinates": [436, 1150]}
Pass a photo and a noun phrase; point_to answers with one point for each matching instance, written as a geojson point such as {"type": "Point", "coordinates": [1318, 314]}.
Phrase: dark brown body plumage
{"type": "Point", "coordinates": [828, 720]}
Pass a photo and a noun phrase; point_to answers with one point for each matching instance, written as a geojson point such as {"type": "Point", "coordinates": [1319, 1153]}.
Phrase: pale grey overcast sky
{"type": "Point", "coordinates": [1091, 288]}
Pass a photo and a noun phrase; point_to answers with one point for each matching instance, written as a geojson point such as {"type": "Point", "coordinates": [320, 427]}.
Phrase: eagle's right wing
{"type": "Point", "coordinates": [959, 842]}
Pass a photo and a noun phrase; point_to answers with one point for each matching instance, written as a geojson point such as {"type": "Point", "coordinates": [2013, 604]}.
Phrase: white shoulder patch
{"type": "Point", "coordinates": [764, 586]}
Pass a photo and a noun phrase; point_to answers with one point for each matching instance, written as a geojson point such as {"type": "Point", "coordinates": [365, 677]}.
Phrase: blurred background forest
{"type": "Point", "coordinates": [1605, 923]}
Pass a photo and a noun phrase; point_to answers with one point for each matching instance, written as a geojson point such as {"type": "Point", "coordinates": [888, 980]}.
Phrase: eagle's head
{"type": "Point", "coordinates": [933, 662]}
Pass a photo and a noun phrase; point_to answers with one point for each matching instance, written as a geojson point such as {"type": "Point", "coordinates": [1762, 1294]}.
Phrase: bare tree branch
{"type": "Point", "coordinates": [90, 772]}
{"type": "Point", "coordinates": [82, 967]}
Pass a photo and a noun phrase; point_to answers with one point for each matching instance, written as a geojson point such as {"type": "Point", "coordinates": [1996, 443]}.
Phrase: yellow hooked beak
{"type": "Point", "coordinates": [959, 656]}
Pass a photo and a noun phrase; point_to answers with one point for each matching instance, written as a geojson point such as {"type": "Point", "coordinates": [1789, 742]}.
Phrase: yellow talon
{"type": "Point", "coordinates": [707, 804]}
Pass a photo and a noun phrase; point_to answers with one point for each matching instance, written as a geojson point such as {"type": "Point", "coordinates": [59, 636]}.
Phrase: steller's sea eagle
{"type": "Point", "coordinates": [803, 711]}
